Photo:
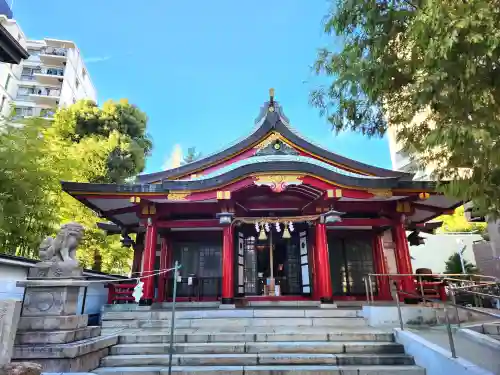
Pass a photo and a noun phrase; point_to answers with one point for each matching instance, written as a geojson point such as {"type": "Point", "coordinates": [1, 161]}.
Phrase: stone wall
{"type": "Point", "coordinates": [485, 259]}
{"type": "Point", "coordinates": [9, 318]}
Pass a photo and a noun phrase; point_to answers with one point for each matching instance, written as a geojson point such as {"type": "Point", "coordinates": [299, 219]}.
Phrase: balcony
{"type": "Point", "coordinates": [50, 76]}
{"type": "Point", "coordinates": [47, 114]}
{"type": "Point", "coordinates": [53, 56]}
{"type": "Point", "coordinates": [20, 112]}
{"type": "Point", "coordinates": [46, 96]}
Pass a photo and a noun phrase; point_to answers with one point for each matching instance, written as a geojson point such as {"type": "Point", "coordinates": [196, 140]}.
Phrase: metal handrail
{"type": "Point", "coordinates": [434, 275]}
{"type": "Point", "coordinates": [448, 324]}
{"type": "Point", "coordinates": [443, 277]}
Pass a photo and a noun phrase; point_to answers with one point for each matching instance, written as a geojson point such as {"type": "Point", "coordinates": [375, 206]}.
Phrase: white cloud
{"type": "Point", "coordinates": [97, 59]}
{"type": "Point", "coordinates": [174, 159]}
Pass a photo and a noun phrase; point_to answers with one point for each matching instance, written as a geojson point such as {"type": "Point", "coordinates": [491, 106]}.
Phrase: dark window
{"type": "Point", "coordinates": [351, 259]}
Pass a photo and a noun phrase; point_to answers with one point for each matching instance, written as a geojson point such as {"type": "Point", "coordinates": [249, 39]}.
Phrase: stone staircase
{"type": "Point", "coordinates": [260, 341]}
{"type": "Point", "coordinates": [492, 330]}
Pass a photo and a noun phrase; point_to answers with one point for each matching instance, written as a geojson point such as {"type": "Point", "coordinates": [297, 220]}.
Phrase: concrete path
{"type": "Point", "coordinates": [471, 351]}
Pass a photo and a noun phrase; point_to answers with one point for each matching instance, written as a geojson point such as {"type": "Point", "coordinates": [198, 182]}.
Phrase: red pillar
{"type": "Point", "coordinates": [162, 277]}
{"type": "Point", "coordinates": [138, 249]}
{"type": "Point", "coordinates": [149, 263]}
{"type": "Point", "coordinates": [380, 265]}
{"type": "Point", "coordinates": [323, 278]}
{"type": "Point", "coordinates": [403, 259]}
{"type": "Point", "coordinates": [315, 286]}
{"type": "Point", "coordinates": [227, 265]}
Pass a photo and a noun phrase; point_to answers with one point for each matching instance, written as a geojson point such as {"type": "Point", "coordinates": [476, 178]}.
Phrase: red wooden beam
{"type": "Point", "coordinates": [379, 222]}
{"type": "Point", "coordinates": [212, 194]}
{"type": "Point", "coordinates": [207, 223]}
{"type": "Point", "coordinates": [346, 193]}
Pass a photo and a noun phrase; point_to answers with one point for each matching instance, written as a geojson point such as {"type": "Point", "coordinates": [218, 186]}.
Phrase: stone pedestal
{"type": "Point", "coordinates": [52, 334]}
{"type": "Point", "coordinates": [9, 318]}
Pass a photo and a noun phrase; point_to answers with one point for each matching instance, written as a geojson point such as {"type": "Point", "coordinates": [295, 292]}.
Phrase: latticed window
{"type": "Point", "coordinates": [351, 259]}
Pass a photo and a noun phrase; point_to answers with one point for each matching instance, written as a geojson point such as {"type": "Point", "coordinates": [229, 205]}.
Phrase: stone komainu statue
{"type": "Point", "coordinates": [58, 255]}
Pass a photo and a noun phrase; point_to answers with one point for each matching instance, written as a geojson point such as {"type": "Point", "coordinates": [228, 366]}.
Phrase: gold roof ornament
{"type": "Point", "coordinates": [278, 182]}
{"type": "Point", "coordinates": [178, 196]}
{"type": "Point", "coordinates": [381, 193]}
{"type": "Point", "coordinates": [272, 137]}
{"type": "Point", "coordinates": [271, 100]}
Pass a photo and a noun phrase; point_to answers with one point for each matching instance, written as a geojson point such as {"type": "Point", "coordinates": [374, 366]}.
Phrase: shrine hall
{"type": "Point", "coordinates": [273, 216]}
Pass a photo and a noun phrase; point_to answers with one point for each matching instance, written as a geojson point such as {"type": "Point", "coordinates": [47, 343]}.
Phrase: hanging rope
{"type": "Point", "coordinates": [112, 281]}
{"type": "Point", "coordinates": [274, 220]}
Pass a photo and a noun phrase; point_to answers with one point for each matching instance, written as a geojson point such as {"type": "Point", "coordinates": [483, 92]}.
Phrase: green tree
{"type": "Point", "coordinates": [458, 223]}
{"type": "Point", "coordinates": [121, 123]}
{"type": "Point", "coordinates": [191, 155]}
{"type": "Point", "coordinates": [36, 156]}
{"type": "Point", "coordinates": [27, 185]}
{"type": "Point", "coordinates": [106, 145]}
{"type": "Point", "coordinates": [454, 265]}
{"type": "Point", "coordinates": [429, 69]}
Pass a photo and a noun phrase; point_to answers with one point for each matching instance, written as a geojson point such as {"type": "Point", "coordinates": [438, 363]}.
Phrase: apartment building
{"type": "Point", "coordinates": [9, 71]}
{"type": "Point", "coordinates": [53, 76]}
{"type": "Point", "coordinates": [401, 161]}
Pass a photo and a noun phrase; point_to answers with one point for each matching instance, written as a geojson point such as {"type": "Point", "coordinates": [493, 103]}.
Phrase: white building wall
{"type": "Point", "coordinates": [96, 297]}
{"type": "Point", "coordinates": [10, 73]}
{"type": "Point", "coordinates": [439, 247]}
{"type": "Point", "coordinates": [9, 275]}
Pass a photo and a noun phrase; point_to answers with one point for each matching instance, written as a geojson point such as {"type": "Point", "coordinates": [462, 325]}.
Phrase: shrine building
{"type": "Point", "coordinates": [273, 216]}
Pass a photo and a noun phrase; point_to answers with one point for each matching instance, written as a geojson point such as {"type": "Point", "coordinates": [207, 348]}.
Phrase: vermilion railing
{"type": "Point", "coordinates": [119, 293]}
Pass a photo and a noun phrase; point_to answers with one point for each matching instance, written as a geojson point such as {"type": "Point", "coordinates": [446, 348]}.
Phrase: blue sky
{"type": "Point", "coordinates": [200, 69]}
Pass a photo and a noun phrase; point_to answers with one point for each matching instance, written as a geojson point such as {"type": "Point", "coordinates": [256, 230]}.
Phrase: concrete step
{"type": "Point", "coordinates": [236, 322]}
{"type": "Point", "coordinates": [56, 337]}
{"type": "Point", "coordinates": [260, 347]}
{"type": "Point", "coordinates": [322, 334]}
{"type": "Point", "coordinates": [254, 359]}
{"type": "Point", "coordinates": [264, 370]}
{"type": "Point", "coordinates": [234, 313]}
{"type": "Point", "coordinates": [491, 329]}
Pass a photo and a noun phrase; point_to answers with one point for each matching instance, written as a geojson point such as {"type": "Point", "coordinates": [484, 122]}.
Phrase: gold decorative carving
{"type": "Point", "coordinates": [278, 182]}
{"type": "Point", "coordinates": [221, 194]}
{"type": "Point", "coordinates": [381, 193]}
{"type": "Point", "coordinates": [149, 210]}
{"type": "Point", "coordinates": [135, 199]}
{"type": "Point", "coordinates": [274, 136]}
{"type": "Point", "coordinates": [404, 207]}
{"type": "Point", "coordinates": [334, 193]}
{"type": "Point", "coordinates": [177, 196]}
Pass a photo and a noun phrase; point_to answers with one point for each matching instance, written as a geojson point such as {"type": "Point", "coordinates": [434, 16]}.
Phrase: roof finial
{"type": "Point", "coordinates": [271, 100]}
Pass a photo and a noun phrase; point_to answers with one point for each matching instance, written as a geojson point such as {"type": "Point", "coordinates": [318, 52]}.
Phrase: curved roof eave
{"type": "Point", "coordinates": [292, 167]}
{"type": "Point", "coordinates": [267, 122]}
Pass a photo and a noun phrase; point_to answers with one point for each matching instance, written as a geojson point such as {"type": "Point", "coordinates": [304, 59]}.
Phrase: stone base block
{"type": "Point", "coordinates": [56, 337]}
{"type": "Point", "coordinates": [50, 300]}
{"type": "Point", "coordinates": [52, 323]}
{"type": "Point", "coordinates": [50, 270]}
{"type": "Point", "coordinates": [84, 363]}
{"type": "Point", "coordinates": [9, 318]}
{"type": "Point", "coordinates": [60, 351]}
